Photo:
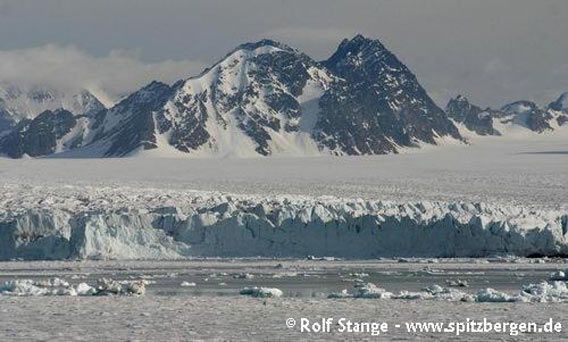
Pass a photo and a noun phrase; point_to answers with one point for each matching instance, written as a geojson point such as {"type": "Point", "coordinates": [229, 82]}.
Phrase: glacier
{"type": "Point", "coordinates": [81, 222]}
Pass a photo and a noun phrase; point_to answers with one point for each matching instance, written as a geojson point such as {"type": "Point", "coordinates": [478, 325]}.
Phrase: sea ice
{"type": "Point", "coordinates": [262, 292]}
{"type": "Point", "coordinates": [60, 287]}
{"type": "Point", "coordinates": [558, 275]}
{"type": "Point", "coordinates": [555, 291]}
{"type": "Point", "coordinates": [490, 295]}
{"type": "Point", "coordinates": [457, 283]}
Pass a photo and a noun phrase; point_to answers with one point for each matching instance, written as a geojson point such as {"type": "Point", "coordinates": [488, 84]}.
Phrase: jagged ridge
{"type": "Point", "coordinates": [525, 114]}
{"type": "Point", "coordinates": [266, 98]}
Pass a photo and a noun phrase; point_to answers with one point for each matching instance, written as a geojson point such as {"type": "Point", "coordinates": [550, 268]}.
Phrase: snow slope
{"type": "Point", "coordinates": [520, 170]}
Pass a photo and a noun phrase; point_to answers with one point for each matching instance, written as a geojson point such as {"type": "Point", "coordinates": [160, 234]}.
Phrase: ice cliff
{"type": "Point", "coordinates": [129, 223]}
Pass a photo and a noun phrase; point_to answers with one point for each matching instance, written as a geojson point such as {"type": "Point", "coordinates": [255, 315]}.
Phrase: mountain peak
{"type": "Point", "coordinates": [261, 43]}
{"type": "Point", "coordinates": [460, 98]}
{"type": "Point", "coordinates": [519, 107]}
{"type": "Point", "coordinates": [394, 108]}
{"type": "Point", "coordinates": [561, 104]}
{"type": "Point", "coordinates": [359, 43]}
{"type": "Point", "coordinates": [248, 48]}
{"type": "Point", "coordinates": [154, 85]}
{"type": "Point", "coordinates": [364, 54]}
{"type": "Point", "coordinates": [471, 116]}
{"type": "Point", "coordinates": [359, 39]}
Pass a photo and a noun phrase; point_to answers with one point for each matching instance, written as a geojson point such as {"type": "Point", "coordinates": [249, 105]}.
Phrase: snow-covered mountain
{"type": "Point", "coordinates": [266, 98]}
{"type": "Point", "coordinates": [39, 136]}
{"type": "Point", "coordinates": [524, 114]}
{"type": "Point", "coordinates": [471, 116]}
{"type": "Point", "coordinates": [379, 104]}
{"type": "Point", "coordinates": [19, 102]}
{"type": "Point", "coordinates": [559, 109]}
{"type": "Point", "coordinates": [261, 99]}
{"type": "Point", "coordinates": [40, 120]}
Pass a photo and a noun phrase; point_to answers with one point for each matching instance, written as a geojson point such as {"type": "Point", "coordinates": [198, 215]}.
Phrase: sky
{"type": "Point", "coordinates": [493, 51]}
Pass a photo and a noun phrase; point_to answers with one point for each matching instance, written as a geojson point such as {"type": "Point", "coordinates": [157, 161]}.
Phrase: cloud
{"type": "Point", "coordinates": [5, 9]}
{"type": "Point", "coordinates": [69, 67]}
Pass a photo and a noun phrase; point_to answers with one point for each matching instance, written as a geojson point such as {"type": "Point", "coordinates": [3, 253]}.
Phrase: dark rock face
{"type": "Point", "coordinates": [561, 104]}
{"type": "Point", "coordinates": [287, 68]}
{"type": "Point", "coordinates": [560, 107]}
{"type": "Point", "coordinates": [6, 121]}
{"type": "Point", "coordinates": [39, 136]}
{"type": "Point", "coordinates": [473, 117]}
{"type": "Point", "coordinates": [130, 125]}
{"type": "Point", "coordinates": [378, 104]}
{"type": "Point", "coordinates": [195, 133]}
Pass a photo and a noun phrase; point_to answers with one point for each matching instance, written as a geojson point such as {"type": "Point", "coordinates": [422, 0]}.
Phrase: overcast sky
{"type": "Point", "coordinates": [494, 51]}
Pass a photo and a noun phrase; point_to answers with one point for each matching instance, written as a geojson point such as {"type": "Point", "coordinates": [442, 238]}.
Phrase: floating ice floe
{"type": "Point", "coordinates": [443, 293]}
{"type": "Point", "coordinates": [243, 276]}
{"type": "Point", "coordinates": [60, 287]}
{"type": "Point", "coordinates": [490, 295]}
{"type": "Point", "coordinates": [52, 282]}
{"type": "Point", "coordinates": [359, 275]}
{"type": "Point", "coordinates": [370, 290]}
{"type": "Point", "coordinates": [28, 287]}
{"type": "Point", "coordinates": [78, 276]}
{"type": "Point", "coordinates": [285, 275]}
{"type": "Point", "coordinates": [84, 289]}
{"type": "Point", "coordinates": [262, 292]}
{"type": "Point", "coordinates": [555, 291]}
{"type": "Point", "coordinates": [457, 283]}
{"type": "Point", "coordinates": [111, 287]}
{"type": "Point", "coordinates": [543, 292]}
{"type": "Point", "coordinates": [343, 294]}
{"type": "Point", "coordinates": [363, 290]}
{"type": "Point", "coordinates": [187, 284]}
{"type": "Point", "coordinates": [325, 258]}
{"type": "Point", "coordinates": [558, 275]}
{"type": "Point", "coordinates": [536, 293]}
{"type": "Point", "coordinates": [434, 292]}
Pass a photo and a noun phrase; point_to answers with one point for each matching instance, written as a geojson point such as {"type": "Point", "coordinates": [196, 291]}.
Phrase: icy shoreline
{"type": "Point", "coordinates": [134, 223]}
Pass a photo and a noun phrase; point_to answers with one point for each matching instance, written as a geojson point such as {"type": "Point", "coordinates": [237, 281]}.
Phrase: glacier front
{"type": "Point", "coordinates": [74, 222]}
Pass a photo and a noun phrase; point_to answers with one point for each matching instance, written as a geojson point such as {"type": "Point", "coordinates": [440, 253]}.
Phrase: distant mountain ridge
{"type": "Point", "coordinates": [263, 98]}
{"type": "Point", "coordinates": [19, 102]}
{"type": "Point", "coordinates": [522, 113]}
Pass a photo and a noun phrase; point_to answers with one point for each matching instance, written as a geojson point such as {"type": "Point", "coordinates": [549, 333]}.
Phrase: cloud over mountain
{"type": "Point", "coordinates": [109, 77]}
